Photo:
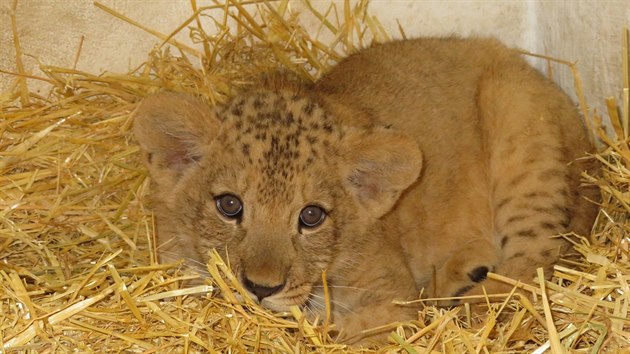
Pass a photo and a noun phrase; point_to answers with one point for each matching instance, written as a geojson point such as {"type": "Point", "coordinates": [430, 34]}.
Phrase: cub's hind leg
{"type": "Point", "coordinates": [533, 133]}
{"type": "Point", "coordinates": [532, 206]}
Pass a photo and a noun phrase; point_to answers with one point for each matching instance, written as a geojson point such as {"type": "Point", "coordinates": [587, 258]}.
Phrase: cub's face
{"type": "Point", "coordinates": [273, 182]}
{"type": "Point", "coordinates": [269, 183]}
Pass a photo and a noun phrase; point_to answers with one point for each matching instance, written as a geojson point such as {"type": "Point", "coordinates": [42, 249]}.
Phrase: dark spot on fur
{"type": "Point", "coordinates": [538, 209]}
{"type": "Point", "coordinates": [311, 139]}
{"type": "Point", "coordinates": [526, 233]}
{"type": "Point", "coordinates": [504, 241]}
{"type": "Point", "coordinates": [563, 192]}
{"type": "Point", "coordinates": [258, 103]}
{"type": "Point", "coordinates": [551, 174]}
{"type": "Point", "coordinates": [245, 149]}
{"type": "Point", "coordinates": [562, 208]}
{"type": "Point", "coordinates": [537, 195]}
{"type": "Point", "coordinates": [280, 103]}
{"type": "Point", "coordinates": [328, 128]}
{"type": "Point", "coordinates": [555, 209]}
{"type": "Point", "coordinates": [548, 225]}
{"type": "Point", "coordinates": [517, 255]}
{"type": "Point", "coordinates": [276, 118]}
{"type": "Point", "coordinates": [531, 160]}
{"type": "Point", "coordinates": [518, 179]}
{"type": "Point", "coordinates": [545, 253]}
{"type": "Point", "coordinates": [237, 110]}
{"type": "Point", "coordinates": [308, 108]}
{"type": "Point", "coordinates": [478, 274]}
{"type": "Point", "coordinates": [289, 118]}
{"type": "Point", "coordinates": [504, 202]}
{"type": "Point", "coordinates": [517, 218]}
{"type": "Point", "coordinates": [463, 290]}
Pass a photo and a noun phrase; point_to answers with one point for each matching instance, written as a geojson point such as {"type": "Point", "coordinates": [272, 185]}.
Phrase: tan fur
{"type": "Point", "coordinates": [433, 158]}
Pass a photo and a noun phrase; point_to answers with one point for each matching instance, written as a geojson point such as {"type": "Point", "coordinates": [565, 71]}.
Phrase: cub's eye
{"type": "Point", "coordinates": [312, 216]}
{"type": "Point", "coordinates": [229, 205]}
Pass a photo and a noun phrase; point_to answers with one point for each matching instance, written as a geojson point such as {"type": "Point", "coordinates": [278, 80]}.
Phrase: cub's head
{"type": "Point", "coordinates": [271, 180]}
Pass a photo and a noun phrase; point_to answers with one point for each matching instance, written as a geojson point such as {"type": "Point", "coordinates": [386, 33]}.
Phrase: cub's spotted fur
{"type": "Point", "coordinates": [418, 164]}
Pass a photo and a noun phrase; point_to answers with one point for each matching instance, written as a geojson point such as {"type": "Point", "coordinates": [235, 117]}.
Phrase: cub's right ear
{"type": "Point", "coordinates": [378, 166]}
{"type": "Point", "coordinates": [172, 129]}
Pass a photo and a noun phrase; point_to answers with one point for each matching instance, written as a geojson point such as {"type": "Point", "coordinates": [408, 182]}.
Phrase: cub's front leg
{"type": "Point", "coordinates": [366, 324]}
{"type": "Point", "coordinates": [362, 296]}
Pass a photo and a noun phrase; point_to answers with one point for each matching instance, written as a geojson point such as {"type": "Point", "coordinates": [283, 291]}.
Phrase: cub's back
{"type": "Point", "coordinates": [428, 87]}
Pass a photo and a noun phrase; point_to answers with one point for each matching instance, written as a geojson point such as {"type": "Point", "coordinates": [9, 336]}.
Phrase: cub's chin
{"type": "Point", "coordinates": [283, 300]}
{"type": "Point", "coordinates": [275, 306]}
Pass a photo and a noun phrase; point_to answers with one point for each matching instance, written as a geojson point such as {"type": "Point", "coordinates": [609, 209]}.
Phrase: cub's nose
{"type": "Point", "coordinates": [261, 291]}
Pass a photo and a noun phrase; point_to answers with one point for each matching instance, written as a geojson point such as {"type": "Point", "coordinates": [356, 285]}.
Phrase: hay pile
{"type": "Point", "coordinates": [78, 266]}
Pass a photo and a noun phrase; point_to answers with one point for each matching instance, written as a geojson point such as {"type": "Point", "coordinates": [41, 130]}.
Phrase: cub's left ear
{"type": "Point", "coordinates": [173, 129]}
{"type": "Point", "coordinates": [379, 165]}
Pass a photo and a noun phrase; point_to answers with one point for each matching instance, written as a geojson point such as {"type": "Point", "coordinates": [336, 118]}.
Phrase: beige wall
{"type": "Point", "coordinates": [588, 32]}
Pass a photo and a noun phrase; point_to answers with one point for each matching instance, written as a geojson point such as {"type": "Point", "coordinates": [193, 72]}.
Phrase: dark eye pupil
{"type": "Point", "coordinates": [312, 216]}
{"type": "Point", "coordinates": [229, 205]}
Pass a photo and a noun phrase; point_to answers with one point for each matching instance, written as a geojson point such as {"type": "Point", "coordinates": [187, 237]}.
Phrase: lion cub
{"type": "Point", "coordinates": [418, 164]}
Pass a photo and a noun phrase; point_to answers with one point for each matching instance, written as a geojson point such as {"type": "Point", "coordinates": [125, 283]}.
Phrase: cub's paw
{"type": "Point", "coordinates": [460, 283]}
{"type": "Point", "coordinates": [476, 275]}
{"type": "Point", "coordinates": [467, 267]}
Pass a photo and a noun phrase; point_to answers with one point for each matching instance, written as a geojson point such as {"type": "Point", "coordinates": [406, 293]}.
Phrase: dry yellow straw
{"type": "Point", "coordinates": [79, 268]}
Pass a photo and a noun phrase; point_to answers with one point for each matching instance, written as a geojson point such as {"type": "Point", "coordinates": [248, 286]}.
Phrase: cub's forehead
{"type": "Point", "coordinates": [281, 135]}
{"type": "Point", "coordinates": [264, 110]}
{"type": "Point", "coordinates": [284, 122]}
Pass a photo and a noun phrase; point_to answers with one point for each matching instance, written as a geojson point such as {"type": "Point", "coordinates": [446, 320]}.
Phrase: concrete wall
{"type": "Point", "coordinates": [586, 31]}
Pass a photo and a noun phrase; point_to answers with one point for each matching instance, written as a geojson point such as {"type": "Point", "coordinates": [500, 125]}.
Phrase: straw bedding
{"type": "Point", "coordinates": [78, 266]}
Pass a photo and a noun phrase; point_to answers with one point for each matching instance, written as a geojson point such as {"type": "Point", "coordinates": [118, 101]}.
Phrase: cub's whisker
{"type": "Point", "coordinates": [322, 305]}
